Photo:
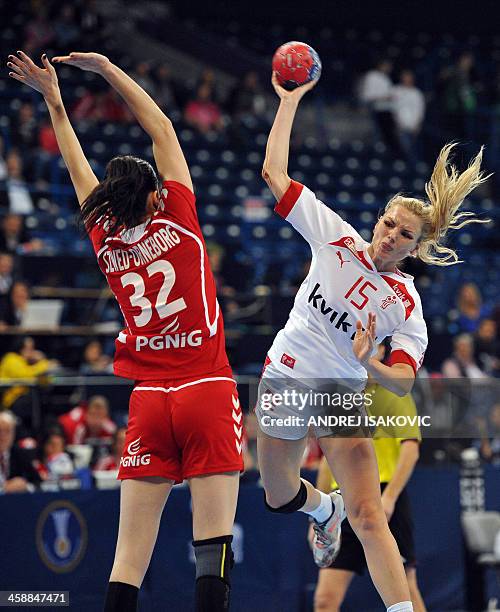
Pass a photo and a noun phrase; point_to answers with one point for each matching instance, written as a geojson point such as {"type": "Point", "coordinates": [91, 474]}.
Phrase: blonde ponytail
{"type": "Point", "coordinates": [446, 191]}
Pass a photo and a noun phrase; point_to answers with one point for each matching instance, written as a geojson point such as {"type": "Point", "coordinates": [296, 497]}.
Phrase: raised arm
{"type": "Point", "coordinates": [275, 168]}
{"type": "Point", "coordinates": [45, 81]}
{"type": "Point", "coordinates": [167, 151]}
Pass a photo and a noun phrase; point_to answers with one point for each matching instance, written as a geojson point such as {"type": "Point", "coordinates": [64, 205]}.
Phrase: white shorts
{"type": "Point", "coordinates": [287, 408]}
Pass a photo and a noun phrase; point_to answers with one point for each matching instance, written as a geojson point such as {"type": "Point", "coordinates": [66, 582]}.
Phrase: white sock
{"type": "Point", "coordinates": [402, 606]}
{"type": "Point", "coordinates": [325, 509]}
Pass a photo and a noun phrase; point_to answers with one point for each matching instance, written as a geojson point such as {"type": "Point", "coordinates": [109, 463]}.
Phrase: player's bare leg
{"type": "Point", "coordinates": [214, 500]}
{"type": "Point", "coordinates": [214, 504]}
{"type": "Point", "coordinates": [354, 466]}
{"type": "Point", "coordinates": [279, 463]}
{"type": "Point", "coordinates": [331, 589]}
{"type": "Point", "coordinates": [141, 505]}
{"type": "Point", "coordinates": [286, 492]}
{"type": "Point", "coordinates": [416, 597]}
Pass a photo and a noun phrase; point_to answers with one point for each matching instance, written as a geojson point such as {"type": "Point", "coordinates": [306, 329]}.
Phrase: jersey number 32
{"type": "Point", "coordinates": [138, 299]}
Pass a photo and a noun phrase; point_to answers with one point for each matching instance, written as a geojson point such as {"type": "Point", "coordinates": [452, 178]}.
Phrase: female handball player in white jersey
{"type": "Point", "coordinates": [353, 297]}
{"type": "Point", "coordinates": [185, 418]}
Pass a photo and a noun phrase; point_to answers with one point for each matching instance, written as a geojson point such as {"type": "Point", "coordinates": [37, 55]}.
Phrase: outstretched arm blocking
{"type": "Point", "coordinates": [167, 151]}
{"type": "Point", "coordinates": [44, 80]}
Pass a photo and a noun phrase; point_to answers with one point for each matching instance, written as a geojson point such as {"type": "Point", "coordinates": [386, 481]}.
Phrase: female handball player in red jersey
{"type": "Point", "coordinates": [353, 294]}
{"type": "Point", "coordinates": [184, 413]}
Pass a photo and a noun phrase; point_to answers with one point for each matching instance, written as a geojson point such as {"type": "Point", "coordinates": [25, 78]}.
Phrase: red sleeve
{"type": "Point", "coordinates": [179, 203]}
{"type": "Point", "coordinates": [290, 197]}
{"type": "Point", "coordinates": [97, 236]}
{"type": "Point", "coordinates": [400, 356]}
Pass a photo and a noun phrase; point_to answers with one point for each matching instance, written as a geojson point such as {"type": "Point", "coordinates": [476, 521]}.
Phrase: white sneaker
{"type": "Point", "coordinates": [327, 535]}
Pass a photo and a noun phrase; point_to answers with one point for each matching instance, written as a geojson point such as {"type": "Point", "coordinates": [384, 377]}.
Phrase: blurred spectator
{"type": "Point", "coordinates": [207, 77]}
{"type": "Point", "coordinates": [470, 308]}
{"type": "Point", "coordinates": [91, 24]}
{"type": "Point", "coordinates": [47, 139]}
{"type": "Point", "coordinates": [459, 97]}
{"type": "Point", "coordinates": [92, 422]}
{"type": "Point", "coordinates": [102, 106]}
{"type": "Point", "coordinates": [95, 361]}
{"type": "Point", "coordinates": [112, 108]}
{"type": "Point", "coordinates": [461, 364]}
{"type": "Point", "coordinates": [20, 201]}
{"type": "Point", "coordinates": [66, 28]}
{"type": "Point", "coordinates": [53, 462]}
{"type": "Point", "coordinates": [6, 276]}
{"type": "Point", "coordinates": [245, 101]}
{"type": "Point", "coordinates": [17, 473]}
{"type": "Point", "coordinates": [142, 76]}
{"type": "Point", "coordinates": [431, 395]}
{"type": "Point", "coordinates": [487, 347]}
{"type": "Point", "coordinates": [4, 200]}
{"type": "Point", "coordinates": [201, 112]}
{"type": "Point", "coordinates": [13, 308]}
{"type": "Point", "coordinates": [85, 108]}
{"type": "Point", "coordinates": [24, 361]}
{"type": "Point", "coordinates": [3, 165]}
{"type": "Point", "coordinates": [48, 151]}
{"type": "Point", "coordinates": [376, 92]}
{"type": "Point", "coordinates": [112, 461]}
{"type": "Point", "coordinates": [38, 33]}
{"type": "Point", "coordinates": [489, 431]}
{"type": "Point", "coordinates": [247, 97]}
{"type": "Point", "coordinates": [216, 257]}
{"type": "Point", "coordinates": [24, 130]}
{"type": "Point", "coordinates": [166, 97]}
{"type": "Point", "coordinates": [409, 111]}
{"type": "Point", "coordinates": [14, 236]}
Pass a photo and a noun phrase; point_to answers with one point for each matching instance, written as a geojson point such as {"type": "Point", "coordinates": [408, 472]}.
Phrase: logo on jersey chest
{"type": "Point", "coordinates": [318, 302]}
{"type": "Point", "coordinates": [388, 301]}
{"type": "Point", "coordinates": [160, 343]}
{"type": "Point", "coordinates": [342, 260]}
{"type": "Point", "coordinates": [402, 293]}
{"type": "Point", "coordinates": [348, 243]}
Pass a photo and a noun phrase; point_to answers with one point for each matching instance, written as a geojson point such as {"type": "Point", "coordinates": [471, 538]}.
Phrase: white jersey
{"type": "Point", "coordinates": [342, 286]}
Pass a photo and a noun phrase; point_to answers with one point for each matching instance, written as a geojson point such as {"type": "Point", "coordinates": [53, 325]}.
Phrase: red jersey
{"type": "Point", "coordinates": [160, 275]}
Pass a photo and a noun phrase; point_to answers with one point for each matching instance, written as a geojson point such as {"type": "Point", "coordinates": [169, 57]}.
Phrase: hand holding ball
{"type": "Point", "coordinates": [295, 64]}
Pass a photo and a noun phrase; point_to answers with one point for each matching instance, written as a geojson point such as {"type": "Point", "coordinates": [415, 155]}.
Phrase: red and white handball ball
{"type": "Point", "coordinates": [296, 63]}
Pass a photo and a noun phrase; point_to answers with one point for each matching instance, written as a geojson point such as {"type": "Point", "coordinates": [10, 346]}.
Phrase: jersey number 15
{"type": "Point", "coordinates": [360, 291]}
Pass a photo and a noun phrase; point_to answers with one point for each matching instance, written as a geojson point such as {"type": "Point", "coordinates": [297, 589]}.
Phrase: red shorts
{"type": "Point", "coordinates": [179, 429]}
